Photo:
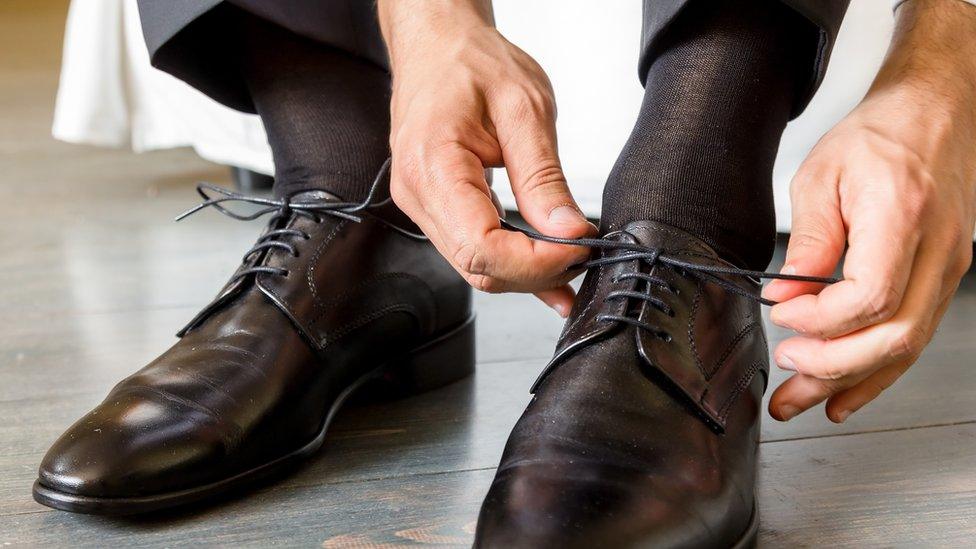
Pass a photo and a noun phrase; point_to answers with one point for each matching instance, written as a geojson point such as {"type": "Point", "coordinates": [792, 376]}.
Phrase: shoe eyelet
{"type": "Point", "coordinates": [667, 338]}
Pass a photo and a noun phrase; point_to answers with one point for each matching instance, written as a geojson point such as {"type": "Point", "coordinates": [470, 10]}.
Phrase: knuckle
{"type": "Point", "coordinates": [811, 174]}
{"type": "Point", "coordinates": [878, 386]}
{"type": "Point", "coordinates": [879, 304]}
{"type": "Point", "coordinates": [399, 190]}
{"type": "Point", "coordinates": [530, 102]}
{"type": "Point", "coordinates": [483, 283]}
{"type": "Point", "coordinates": [963, 260]}
{"type": "Point", "coordinates": [831, 372]}
{"type": "Point", "coordinates": [546, 178]}
{"type": "Point", "coordinates": [906, 343]}
{"type": "Point", "coordinates": [807, 239]}
{"type": "Point", "coordinates": [470, 260]}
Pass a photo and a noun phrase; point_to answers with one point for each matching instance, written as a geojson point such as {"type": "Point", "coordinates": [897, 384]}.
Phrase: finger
{"type": "Point", "coordinates": [817, 234]}
{"type": "Point", "coordinates": [876, 271]}
{"type": "Point", "coordinates": [861, 353]}
{"type": "Point", "coordinates": [457, 202]}
{"type": "Point", "coordinates": [841, 405]}
{"type": "Point", "coordinates": [559, 299]}
{"type": "Point", "coordinates": [800, 393]}
{"type": "Point", "coordinates": [527, 135]}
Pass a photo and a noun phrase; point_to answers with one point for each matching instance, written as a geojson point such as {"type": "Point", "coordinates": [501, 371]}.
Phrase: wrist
{"type": "Point", "coordinates": [417, 29]}
{"type": "Point", "coordinates": [932, 57]}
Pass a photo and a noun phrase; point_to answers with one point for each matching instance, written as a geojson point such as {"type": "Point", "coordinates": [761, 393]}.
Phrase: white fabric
{"type": "Point", "coordinates": [110, 96]}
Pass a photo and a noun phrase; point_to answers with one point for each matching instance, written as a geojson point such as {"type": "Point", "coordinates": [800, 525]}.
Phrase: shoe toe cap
{"type": "Point", "coordinates": [131, 446]}
{"type": "Point", "coordinates": [544, 506]}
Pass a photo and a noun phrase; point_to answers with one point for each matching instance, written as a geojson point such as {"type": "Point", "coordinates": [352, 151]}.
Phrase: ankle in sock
{"type": "Point", "coordinates": [717, 99]}
{"type": "Point", "coordinates": [326, 112]}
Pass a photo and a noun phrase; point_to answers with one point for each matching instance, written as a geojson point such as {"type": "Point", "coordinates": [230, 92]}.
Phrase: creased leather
{"type": "Point", "coordinates": [631, 439]}
{"type": "Point", "coordinates": [255, 374]}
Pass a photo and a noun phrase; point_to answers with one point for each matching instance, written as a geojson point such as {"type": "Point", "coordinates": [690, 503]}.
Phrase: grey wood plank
{"type": "Point", "coordinates": [95, 278]}
{"type": "Point", "coordinates": [868, 490]}
{"type": "Point", "coordinates": [463, 426]}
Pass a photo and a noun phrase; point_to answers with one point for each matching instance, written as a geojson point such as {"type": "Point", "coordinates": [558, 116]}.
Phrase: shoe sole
{"type": "Point", "coordinates": [443, 360]}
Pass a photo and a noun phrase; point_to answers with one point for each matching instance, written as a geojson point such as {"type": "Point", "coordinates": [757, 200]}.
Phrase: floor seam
{"type": "Point", "coordinates": [871, 431]}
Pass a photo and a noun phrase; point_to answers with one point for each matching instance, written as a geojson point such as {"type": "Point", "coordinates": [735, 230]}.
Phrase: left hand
{"type": "Point", "coordinates": [896, 182]}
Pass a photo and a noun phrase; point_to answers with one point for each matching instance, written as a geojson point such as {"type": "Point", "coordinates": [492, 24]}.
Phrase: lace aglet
{"type": "Point", "coordinates": [189, 212]}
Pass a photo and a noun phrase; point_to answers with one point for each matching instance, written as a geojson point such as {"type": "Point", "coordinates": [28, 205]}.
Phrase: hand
{"type": "Point", "coordinates": [464, 99]}
{"type": "Point", "coordinates": [896, 181]}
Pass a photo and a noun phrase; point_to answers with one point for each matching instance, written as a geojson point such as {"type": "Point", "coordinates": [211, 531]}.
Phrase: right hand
{"type": "Point", "coordinates": [464, 98]}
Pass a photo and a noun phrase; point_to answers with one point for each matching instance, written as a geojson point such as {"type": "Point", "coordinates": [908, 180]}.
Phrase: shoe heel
{"type": "Point", "coordinates": [447, 359]}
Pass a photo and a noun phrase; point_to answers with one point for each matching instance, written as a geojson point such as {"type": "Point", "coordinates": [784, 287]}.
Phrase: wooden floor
{"type": "Point", "coordinates": [95, 279]}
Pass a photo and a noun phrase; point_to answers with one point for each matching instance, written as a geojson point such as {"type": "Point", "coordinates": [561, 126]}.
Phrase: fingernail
{"type": "Point", "coordinates": [566, 215]}
{"type": "Point", "coordinates": [788, 270]}
{"type": "Point", "coordinates": [785, 363]}
{"type": "Point", "coordinates": [788, 412]}
{"type": "Point", "coordinates": [560, 309]}
{"type": "Point", "coordinates": [843, 415]}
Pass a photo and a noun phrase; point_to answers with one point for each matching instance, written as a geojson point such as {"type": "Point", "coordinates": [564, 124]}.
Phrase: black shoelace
{"type": "Point", "coordinates": [282, 209]}
{"type": "Point", "coordinates": [650, 257]}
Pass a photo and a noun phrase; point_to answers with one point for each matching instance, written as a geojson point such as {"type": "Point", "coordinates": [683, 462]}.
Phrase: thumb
{"type": "Point", "coordinates": [817, 238]}
{"type": "Point", "coordinates": [538, 182]}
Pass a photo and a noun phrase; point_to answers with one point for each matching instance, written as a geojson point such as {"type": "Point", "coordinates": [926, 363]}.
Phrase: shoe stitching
{"type": "Point", "coordinates": [596, 291]}
{"type": "Point", "coordinates": [365, 283]}
{"type": "Point", "coordinates": [310, 275]}
{"type": "Point", "coordinates": [362, 320]}
{"type": "Point", "coordinates": [740, 386]}
{"type": "Point", "coordinates": [731, 347]}
{"type": "Point", "coordinates": [691, 328]}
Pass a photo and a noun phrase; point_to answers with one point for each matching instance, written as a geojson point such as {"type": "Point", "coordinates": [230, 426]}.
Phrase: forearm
{"type": "Point", "coordinates": [933, 51]}
{"type": "Point", "coordinates": [412, 26]}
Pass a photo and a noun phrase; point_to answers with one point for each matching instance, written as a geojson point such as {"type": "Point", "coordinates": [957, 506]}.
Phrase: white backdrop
{"type": "Point", "coordinates": [110, 96]}
{"type": "Point", "coordinates": [589, 49]}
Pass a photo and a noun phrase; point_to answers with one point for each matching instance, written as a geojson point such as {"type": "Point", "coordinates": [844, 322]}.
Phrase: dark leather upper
{"type": "Point", "coordinates": [254, 375]}
{"type": "Point", "coordinates": [630, 439]}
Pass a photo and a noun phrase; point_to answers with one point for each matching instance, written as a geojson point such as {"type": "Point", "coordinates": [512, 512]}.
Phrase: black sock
{"type": "Point", "coordinates": [326, 112]}
{"type": "Point", "coordinates": [717, 99]}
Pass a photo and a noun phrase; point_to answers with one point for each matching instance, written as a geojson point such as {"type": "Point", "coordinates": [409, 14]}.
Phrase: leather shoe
{"type": "Point", "coordinates": [643, 429]}
{"type": "Point", "coordinates": [333, 297]}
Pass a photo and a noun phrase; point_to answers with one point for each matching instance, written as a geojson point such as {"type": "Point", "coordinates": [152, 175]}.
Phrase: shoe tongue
{"type": "Point", "coordinates": [661, 236]}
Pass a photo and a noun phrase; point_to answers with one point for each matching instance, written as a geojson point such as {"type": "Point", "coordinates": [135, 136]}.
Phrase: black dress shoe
{"type": "Point", "coordinates": [644, 427]}
{"type": "Point", "coordinates": [331, 298]}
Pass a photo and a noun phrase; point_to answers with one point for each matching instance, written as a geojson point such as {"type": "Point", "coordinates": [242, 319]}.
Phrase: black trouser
{"type": "Point", "coordinates": [722, 79]}
{"type": "Point", "coordinates": [188, 39]}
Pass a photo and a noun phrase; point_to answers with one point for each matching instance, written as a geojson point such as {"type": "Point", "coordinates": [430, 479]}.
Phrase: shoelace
{"type": "Point", "coordinates": [651, 256]}
{"type": "Point", "coordinates": [282, 209]}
